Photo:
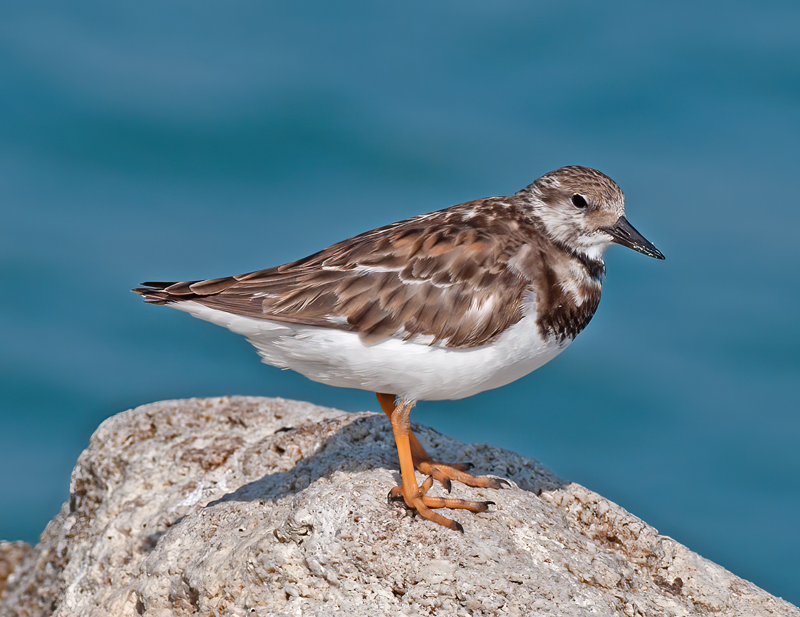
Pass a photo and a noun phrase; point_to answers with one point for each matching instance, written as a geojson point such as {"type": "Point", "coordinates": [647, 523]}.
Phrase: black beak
{"type": "Point", "coordinates": [625, 234]}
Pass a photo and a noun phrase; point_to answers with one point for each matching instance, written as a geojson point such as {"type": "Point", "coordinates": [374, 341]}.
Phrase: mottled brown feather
{"type": "Point", "coordinates": [444, 275]}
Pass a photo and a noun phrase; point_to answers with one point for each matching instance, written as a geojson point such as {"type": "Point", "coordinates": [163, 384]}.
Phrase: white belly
{"type": "Point", "coordinates": [412, 370]}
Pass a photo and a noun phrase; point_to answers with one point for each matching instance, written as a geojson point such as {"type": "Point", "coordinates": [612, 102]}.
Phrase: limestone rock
{"type": "Point", "coordinates": [251, 506]}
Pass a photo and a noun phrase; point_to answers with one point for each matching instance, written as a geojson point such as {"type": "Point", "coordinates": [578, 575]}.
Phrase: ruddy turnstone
{"type": "Point", "coordinates": [439, 306]}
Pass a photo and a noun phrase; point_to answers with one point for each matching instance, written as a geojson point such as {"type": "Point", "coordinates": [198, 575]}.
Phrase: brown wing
{"type": "Point", "coordinates": [445, 275]}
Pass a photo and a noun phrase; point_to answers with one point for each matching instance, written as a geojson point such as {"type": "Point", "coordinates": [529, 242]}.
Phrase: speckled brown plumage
{"type": "Point", "coordinates": [458, 276]}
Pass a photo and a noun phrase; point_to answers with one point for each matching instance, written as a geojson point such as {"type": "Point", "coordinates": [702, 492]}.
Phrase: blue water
{"type": "Point", "coordinates": [174, 140]}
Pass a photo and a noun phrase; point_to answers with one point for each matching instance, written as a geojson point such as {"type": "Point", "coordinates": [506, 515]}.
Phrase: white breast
{"type": "Point", "coordinates": [411, 369]}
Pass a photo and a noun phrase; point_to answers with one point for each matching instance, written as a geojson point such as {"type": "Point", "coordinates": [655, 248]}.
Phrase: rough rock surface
{"type": "Point", "coordinates": [251, 506]}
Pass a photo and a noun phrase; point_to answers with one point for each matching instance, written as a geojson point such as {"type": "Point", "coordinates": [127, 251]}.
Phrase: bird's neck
{"type": "Point", "coordinates": [591, 260]}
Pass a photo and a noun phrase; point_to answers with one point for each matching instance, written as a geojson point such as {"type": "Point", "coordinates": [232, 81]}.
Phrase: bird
{"type": "Point", "coordinates": [439, 306]}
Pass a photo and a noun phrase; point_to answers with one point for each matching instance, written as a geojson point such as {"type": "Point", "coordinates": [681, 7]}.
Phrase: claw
{"type": "Point", "coordinates": [444, 473]}
{"type": "Point", "coordinates": [396, 496]}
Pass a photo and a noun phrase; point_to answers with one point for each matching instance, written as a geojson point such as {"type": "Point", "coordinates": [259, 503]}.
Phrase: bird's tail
{"type": "Point", "coordinates": [156, 292]}
{"type": "Point", "coordinates": [164, 293]}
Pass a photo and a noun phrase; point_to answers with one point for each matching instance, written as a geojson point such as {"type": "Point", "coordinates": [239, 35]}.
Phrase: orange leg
{"type": "Point", "coordinates": [443, 472]}
{"type": "Point", "coordinates": [415, 496]}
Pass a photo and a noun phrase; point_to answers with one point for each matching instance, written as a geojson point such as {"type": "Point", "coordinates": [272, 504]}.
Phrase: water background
{"type": "Point", "coordinates": [179, 140]}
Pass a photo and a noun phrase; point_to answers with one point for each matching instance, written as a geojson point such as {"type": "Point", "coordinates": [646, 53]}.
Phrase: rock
{"type": "Point", "coordinates": [12, 554]}
{"type": "Point", "coordinates": [251, 506]}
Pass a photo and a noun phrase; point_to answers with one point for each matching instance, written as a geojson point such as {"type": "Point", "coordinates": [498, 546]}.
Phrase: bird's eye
{"type": "Point", "coordinates": [579, 201]}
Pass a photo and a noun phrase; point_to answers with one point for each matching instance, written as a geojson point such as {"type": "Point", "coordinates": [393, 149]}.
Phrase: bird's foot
{"type": "Point", "coordinates": [413, 456]}
{"type": "Point", "coordinates": [424, 505]}
{"type": "Point", "coordinates": [445, 472]}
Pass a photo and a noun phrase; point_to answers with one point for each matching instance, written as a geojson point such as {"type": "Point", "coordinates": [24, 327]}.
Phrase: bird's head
{"type": "Point", "coordinates": [584, 210]}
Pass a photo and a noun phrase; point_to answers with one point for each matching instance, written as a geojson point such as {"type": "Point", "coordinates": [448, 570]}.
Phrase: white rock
{"type": "Point", "coordinates": [251, 506]}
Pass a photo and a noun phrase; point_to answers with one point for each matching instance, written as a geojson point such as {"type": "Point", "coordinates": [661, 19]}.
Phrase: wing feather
{"type": "Point", "coordinates": [445, 275]}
